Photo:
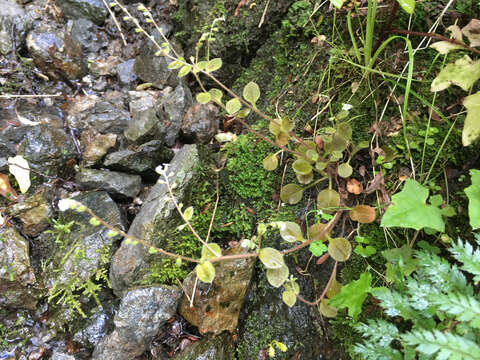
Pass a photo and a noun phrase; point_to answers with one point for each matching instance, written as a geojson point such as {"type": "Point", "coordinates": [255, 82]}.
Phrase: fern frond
{"type": "Point", "coordinates": [378, 331]}
{"type": "Point", "coordinates": [446, 346]}
{"type": "Point", "coordinates": [464, 308]}
{"type": "Point", "coordinates": [464, 252]}
{"type": "Point", "coordinates": [370, 351]}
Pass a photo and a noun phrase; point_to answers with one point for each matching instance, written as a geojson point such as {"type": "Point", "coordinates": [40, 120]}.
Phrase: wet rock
{"type": "Point", "coordinates": [146, 124]}
{"type": "Point", "coordinates": [96, 327]}
{"type": "Point", "coordinates": [47, 149]}
{"type": "Point", "coordinates": [174, 103]}
{"type": "Point", "coordinates": [216, 306]}
{"type": "Point", "coordinates": [6, 150]}
{"type": "Point", "coordinates": [117, 184]}
{"type": "Point", "coordinates": [87, 34]}
{"type": "Point", "coordinates": [142, 160]}
{"type": "Point", "coordinates": [105, 114]}
{"type": "Point", "coordinates": [16, 274]}
{"type": "Point", "coordinates": [56, 53]}
{"type": "Point", "coordinates": [13, 20]}
{"type": "Point", "coordinates": [104, 66]}
{"type": "Point", "coordinates": [200, 123]}
{"type": "Point", "coordinates": [95, 146]}
{"type": "Point", "coordinates": [33, 212]}
{"type": "Point", "coordinates": [131, 263]}
{"type": "Point", "coordinates": [141, 314]}
{"type": "Point", "coordinates": [220, 347]}
{"type": "Point", "coordinates": [125, 73]}
{"type": "Point", "coordinates": [93, 10]}
{"type": "Point", "coordinates": [61, 356]}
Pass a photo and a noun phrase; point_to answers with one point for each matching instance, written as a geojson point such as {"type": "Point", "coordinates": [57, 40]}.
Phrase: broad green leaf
{"type": "Point", "coordinates": [471, 127]}
{"type": "Point", "coordinates": [345, 130]}
{"type": "Point", "coordinates": [400, 263]}
{"type": "Point", "coordinates": [20, 169]}
{"type": "Point", "coordinates": [328, 198]}
{"type": "Point", "coordinates": [312, 155]}
{"type": "Point", "coordinates": [276, 277]}
{"type": "Point", "coordinates": [353, 295]}
{"type": "Point", "coordinates": [213, 65]}
{"type": "Point", "coordinates": [337, 144]}
{"type": "Point", "coordinates": [216, 95]}
{"type": "Point", "coordinates": [473, 194]}
{"type": "Point", "coordinates": [188, 213]}
{"type": "Point", "coordinates": [327, 310]}
{"type": "Point", "coordinates": [464, 72]}
{"type": "Point", "coordinates": [339, 249]}
{"type": "Point", "coordinates": [184, 70]}
{"type": "Point", "coordinates": [305, 179]}
{"type": "Point", "coordinates": [407, 5]}
{"type": "Point", "coordinates": [233, 106]}
{"type": "Point", "coordinates": [302, 167]}
{"type": "Point", "coordinates": [409, 209]}
{"type": "Point", "coordinates": [364, 214]}
{"type": "Point", "coordinates": [270, 163]}
{"type": "Point", "coordinates": [291, 194]}
{"type": "Point", "coordinates": [337, 3]}
{"type": "Point", "coordinates": [290, 231]}
{"type": "Point", "coordinates": [271, 258]}
{"type": "Point", "coordinates": [472, 32]}
{"type": "Point", "coordinates": [289, 297]}
{"type": "Point", "coordinates": [317, 248]}
{"type": "Point", "coordinates": [366, 251]}
{"type": "Point", "coordinates": [205, 272]}
{"type": "Point", "coordinates": [345, 170]}
{"type": "Point", "coordinates": [251, 93]}
{"type": "Point", "coordinates": [211, 252]}
{"type": "Point", "coordinates": [203, 97]}
{"type": "Point", "coordinates": [202, 65]}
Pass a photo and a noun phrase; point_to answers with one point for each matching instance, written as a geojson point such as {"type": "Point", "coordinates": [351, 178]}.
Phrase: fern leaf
{"type": "Point", "coordinates": [446, 346]}
{"type": "Point", "coordinates": [370, 351]}
{"type": "Point", "coordinates": [464, 252]}
{"type": "Point", "coordinates": [464, 308]}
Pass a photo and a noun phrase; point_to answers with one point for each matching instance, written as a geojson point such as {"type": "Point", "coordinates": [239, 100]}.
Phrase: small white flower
{"type": "Point", "coordinates": [347, 107]}
{"type": "Point", "coordinates": [162, 169]}
{"type": "Point", "coordinates": [65, 204]}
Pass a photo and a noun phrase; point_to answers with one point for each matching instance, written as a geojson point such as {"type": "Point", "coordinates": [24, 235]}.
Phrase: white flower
{"type": "Point", "coordinates": [162, 169]}
{"type": "Point", "coordinates": [347, 107]}
{"type": "Point", "coordinates": [65, 204]}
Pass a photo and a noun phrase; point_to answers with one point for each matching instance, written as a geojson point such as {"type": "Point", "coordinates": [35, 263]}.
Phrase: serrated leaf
{"type": "Point", "coordinates": [290, 231]}
{"type": "Point", "coordinates": [364, 214]}
{"type": "Point", "coordinates": [233, 106]}
{"type": "Point", "coordinates": [327, 310]}
{"type": "Point", "coordinates": [409, 209]}
{"type": "Point", "coordinates": [20, 169]}
{"type": "Point", "coordinates": [352, 295]}
{"type": "Point", "coordinates": [188, 213]}
{"type": "Point", "coordinates": [302, 167]}
{"type": "Point", "coordinates": [317, 248]}
{"type": "Point", "coordinates": [328, 198]}
{"type": "Point", "coordinates": [271, 258]}
{"type": "Point", "coordinates": [270, 163]}
{"type": "Point", "coordinates": [216, 95]}
{"type": "Point", "coordinates": [205, 272]}
{"type": "Point", "coordinates": [345, 170]}
{"type": "Point", "coordinates": [471, 127]}
{"type": "Point", "coordinates": [473, 195]}
{"type": "Point", "coordinates": [472, 32]}
{"type": "Point", "coordinates": [339, 249]}
{"type": "Point", "coordinates": [276, 277]}
{"type": "Point", "coordinates": [211, 252]}
{"type": "Point", "coordinates": [251, 93]}
{"type": "Point", "coordinates": [464, 72]}
{"type": "Point", "coordinates": [291, 194]}
{"type": "Point", "coordinates": [213, 65]}
{"type": "Point", "coordinates": [184, 70]}
{"type": "Point", "coordinates": [203, 97]}
{"type": "Point", "coordinates": [289, 298]}
{"type": "Point", "coordinates": [407, 5]}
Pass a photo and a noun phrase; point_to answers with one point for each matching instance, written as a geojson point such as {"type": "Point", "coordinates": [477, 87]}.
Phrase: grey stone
{"type": "Point", "coordinates": [96, 327]}
{"type": "Point", "coordinates": [116, 183]}
{"type": "Point", "coordinates": [95, 146]}
{"type": "Point", "coordinates": [87, 34]}
{"type": "Point", "coordinates": [13, 20]}
{"type": "Point", "coordinates": [141, 314]}
{"type": "Point", "coordinates": [220, 347]}
{"type": "Point", "coordinates": [200, 123]}
{"type": "Point", "coordinates": [61, 356]}
{"type": "Point", "coordinates": [93, 10]}
{"type": "Point", "coordinates": [125, 73]}
{"type": "Point", "coordinates": [153, 221]}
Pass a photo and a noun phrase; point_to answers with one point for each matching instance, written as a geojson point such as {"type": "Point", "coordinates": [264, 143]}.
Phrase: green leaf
{"type": "Point", "coordinates": [184, 71]}
{"type": "Point", "coordinates": [316, 230]}
{"type": "Point", "coordinates": [345, 130]}
{"type": "Point", "coordinates": [470, 258]}
{"type": "Point", "coordinates": [407, 5]}
{"type": "Point", "coordinates": [302, 167]}
{"type": "Point", "coordinates": [271, 258]}
{"type": "Point", "coordinates": [188, 213]}
{"type": "Point", "coordinates": [211, 252]}
{"type": "Point", "coordinates": [464, 72]}
{"type": "Point", "coordinates": [204, 97]}
{"type": "Point", "coordinates": [205, 272]}
{"type": "Point", "coordinates": [290, 231]}
{"type": "Point", "coordinates": [291, 194]}
{"type": "Point", "coordinates": [339, 249]}
{"type": "Point", "coordinates": [152, 250]}
{"type": "Point", "coordinates": [213, 65]}
{"type": "Point", "coordinates": [175, 65]}
{"type": "Point", "coordinates": [328, 198]}
{"type": "Point", "coordinates": [202, 65]}
{"type": "Point", "coordinates": [471, 127]}
{"type": "Point", "coordinates": [276, 277]}
{"type": "Point", "coordinates": [317, 248]}
{"type": "Point", "coordinates": [270, 163]}
{"type": "Point", "coordinates": [94, 221]}
{"type": "Point", "coordinates": [233, 106]}
{"type": "Point", "coordinates": [216, 95]}
{"type": "Point", "coordinates": [353, 295]}
{"type": "Point", "coordinates": [409, 209]}
{"type": "Point", "coordinates": [251, 93]}
{"type": "Point", "coordinates": [345, 170]}
{"type": "Point", "coordinates": [366, 251]}
{"type": "Point", "coordinates": [327, 310]}
{"type": "Point", "coordinates": [289, 297]}
{"type": "Point", "coordinates": [337, 3]}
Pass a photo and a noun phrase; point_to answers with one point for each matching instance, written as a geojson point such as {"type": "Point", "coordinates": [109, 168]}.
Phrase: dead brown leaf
{"type": "Point", "coordinates": [6, 189]}
{"type": "Point", "coordinates": [354, 186]}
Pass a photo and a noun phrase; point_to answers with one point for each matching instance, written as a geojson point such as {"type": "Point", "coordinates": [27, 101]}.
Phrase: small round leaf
{"type": "Point", "coordinates": [364, 214]}
{"type": "Point", "coordinates": [204, 97]}
{"type": "Point", "coordinates": [333, 289]}
{"type": "Point", "coordinates": [345, 170]}
{"type": "Point", "coordinates": [205, 272]}
{"type": "Point", "coordinates": [213, 65]}
{"type": "Point", "coordinates": [316, 232]}
{"type": "Point", "coordinates": [289, 297]}
{"type": "Point", "coordinates": [339, 249]}
{"type": "Point", "coordinates": [276, 277]}
{"type": "Point", "coordinates": [327, 310]}
{"type": "Point", "coordinates": [328, 198]}
{"type": "Point", "coordinates": [345, 130]}
{"type": "Point", "coordinates": [270, 163]}
{"type": "Point", "coordinates": [302, 167]}
{"type": "Point", "coordinates": [271, 258]}
{"type": "Point", "coordinates": [211, 252]}
{"type": "Point", "coordinates": [216, 95]}
{"type": "Point", "coordinates": [291, 194]}
{"type": "Point", "coordinates": [305, 179]}
{"type": "Point", "coordinates": [290, 231]}
{"type": "Point", "coordinates": [251, 92]}
{"type": "Point", "coordinates": [184, 70]}
{"type": "Point", "coordinates": [233, 106]}
{"type": "Point", "coordinates": [188, 213]}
